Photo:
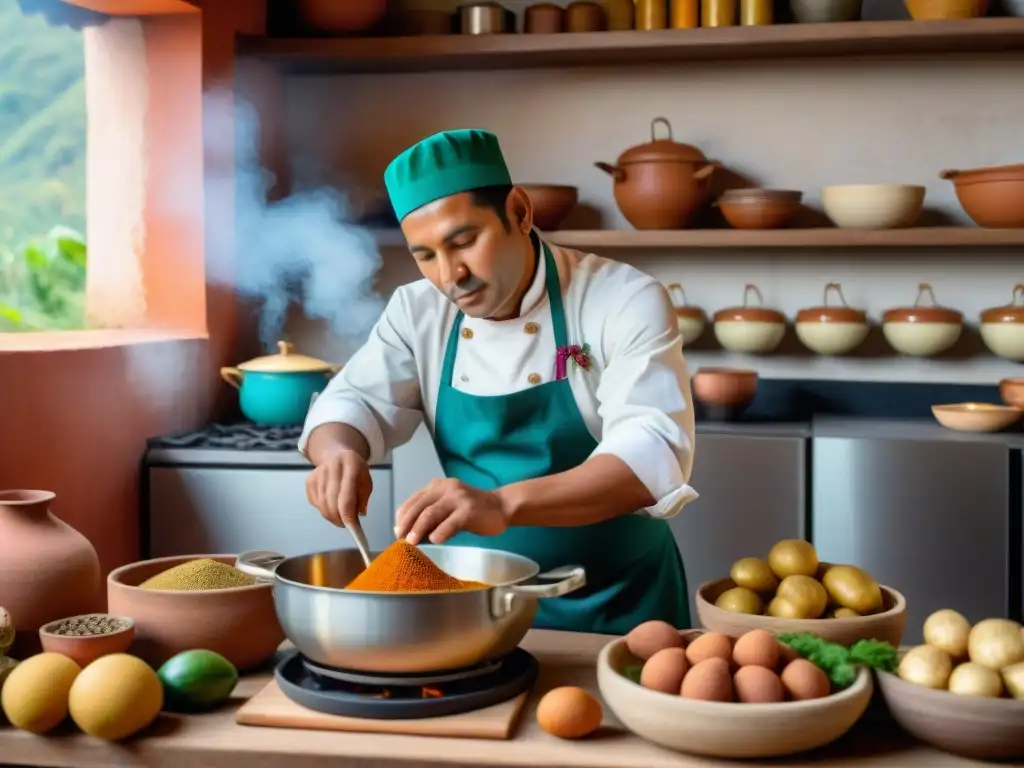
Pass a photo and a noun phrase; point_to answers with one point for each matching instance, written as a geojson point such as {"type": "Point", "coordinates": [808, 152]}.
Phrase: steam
{"type": "Point", "coordinates": [301, 250]}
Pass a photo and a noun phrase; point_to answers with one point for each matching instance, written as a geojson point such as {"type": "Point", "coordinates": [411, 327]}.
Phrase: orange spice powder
{"type": "Point", "coordinates": [404, 568]}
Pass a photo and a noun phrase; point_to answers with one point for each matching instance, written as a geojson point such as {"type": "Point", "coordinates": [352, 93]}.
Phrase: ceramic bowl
{"type": "Point", "coordinates": [873, 206]}
{"type": "Point", "coordinates": [691, 320]}
{"type": "Point", "coordinates": [930, 10]}
{"type": "Point", "coordinates": [751, 329]}
{"type": "Point", "coordinates": [1002, 328]}
{"type": "Point", "coordinates": [835, 330]}
{"type": "Point", "coordinates": [759, 208]}
{"type": "Point", "coordinates": [824, 11]}
{"type": "Point", "coordinates": [115, 637]}
{"type": "Point", "coordinates": [993, 197]}
{"type": "Point", "coordinates": [724, 392]}
{"type": "Point", "coordinates": [976, 417]}
{"type": "Point", "coordinates": [973, 727]}
{"type": "Point", "coordinates": [551, 204]}
{"type": "Point", "coordinates": [886, 625]}
{"type": "Point", "coordinates": [721, 729]}
{"type": "Point", "coordinates": [1012, 392]}
{"type": "Point", "coordinates": [240, 623]}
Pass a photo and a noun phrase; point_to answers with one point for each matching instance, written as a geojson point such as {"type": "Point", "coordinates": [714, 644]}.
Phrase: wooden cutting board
{"type": "Point", "coordinates": [271, 708]}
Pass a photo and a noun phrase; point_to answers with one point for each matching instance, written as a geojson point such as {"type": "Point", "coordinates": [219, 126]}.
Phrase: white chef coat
{"type": "Point", "coordinates": [635, 398]}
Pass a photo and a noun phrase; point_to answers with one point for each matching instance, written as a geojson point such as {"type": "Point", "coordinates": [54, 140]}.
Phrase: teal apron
{"type": "Point", "coordinates": [634, 570]}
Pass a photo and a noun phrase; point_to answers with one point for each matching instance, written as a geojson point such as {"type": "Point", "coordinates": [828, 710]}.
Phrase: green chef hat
{"type": "Point", "coordinates": [444, 164]}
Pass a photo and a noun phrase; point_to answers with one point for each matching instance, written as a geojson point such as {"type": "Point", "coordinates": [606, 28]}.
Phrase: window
{"type": "Point", "coordinates": [43, 252]}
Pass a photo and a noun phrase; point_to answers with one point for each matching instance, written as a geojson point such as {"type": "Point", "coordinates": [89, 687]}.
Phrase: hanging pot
{"type": "Point", "coordinates": [277, 390]}
{"type": "Point", "coordinates": [691, 320]}
{"type": "Point", "coordinates": [922, 330]}
{"type": "Point", "coordinates": [836, 330]}
{"type": "Point", "coordinates": [752, 328]}
{"type": "Point", "coordinates": [660, 184]}
{"type": "Point", "coordinates": [1002, 328]}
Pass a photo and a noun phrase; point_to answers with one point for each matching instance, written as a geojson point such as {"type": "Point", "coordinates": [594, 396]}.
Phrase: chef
{"type": "Point", "coordinates": [553, 384]}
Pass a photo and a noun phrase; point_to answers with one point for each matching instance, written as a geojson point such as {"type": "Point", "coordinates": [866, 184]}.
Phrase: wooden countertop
{"type": "Point", "coordinates": [216, 741]}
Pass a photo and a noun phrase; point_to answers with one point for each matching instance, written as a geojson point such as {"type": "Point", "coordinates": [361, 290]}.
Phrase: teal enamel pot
{"type": "Point", "coordinates": [276, 390]}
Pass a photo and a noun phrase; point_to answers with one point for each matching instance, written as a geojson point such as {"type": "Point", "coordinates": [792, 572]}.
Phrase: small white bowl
{"type": "Point", "coordinates": [726, 730]}
{"type": "Point", "coordinates": [873, 206]}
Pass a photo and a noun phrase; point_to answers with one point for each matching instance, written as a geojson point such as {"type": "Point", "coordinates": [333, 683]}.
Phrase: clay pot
{"type": "Point", "coordinates": [585, 17]}
{"type": "Point", "coordinates": [993, 197]}
{"type": "Point", "coordinates": [759, 208]}
{"type": "Point", "coordinates": [551, 203]}
{"type": "Point", "coordinates": [1012, 392]}
{"type": "Point", "coordinates": [932, 10]}
{"type": "Point", "coordinates": [85, 649]}
{"type": "Point", "coordinates": [339, 18]}
{"type": "Point", "coordinates": [543, 19]}
{"type": "Point", "coordinates": [832, 330]}
{"type": "Point", "coordinates": [922, 331]}
{"type": "Point", "coordinates": [691, 320]}
{"type": "Point", "coordinates": [724, 392]}
{"type": "Point", "coordinates": [751, 329]}
{"type": "Point", "coordinates": [1002, 328]}
{"type": "Point", "coordinates": [660, 184]}
{"type": "Point", "coordinates": [48, 570]}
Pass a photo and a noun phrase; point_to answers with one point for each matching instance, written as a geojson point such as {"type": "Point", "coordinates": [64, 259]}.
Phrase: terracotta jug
{"type": "Point", "coordinates": [48, 570]}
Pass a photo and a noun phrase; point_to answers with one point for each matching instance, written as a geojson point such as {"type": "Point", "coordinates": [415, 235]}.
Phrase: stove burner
{"type": "Point", "coordinates": [407, 697]}
{"type": "Point", "coordinates": [243, 436]}
{"type": "Point", "coordinates": [398, 679]}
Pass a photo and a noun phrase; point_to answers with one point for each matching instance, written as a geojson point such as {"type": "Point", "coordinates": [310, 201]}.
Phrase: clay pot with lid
{"type": "Point", "coordinates": [660, 184]}
{"type": "Point", "coordinates": [277, 390]}
{"type": "Point", "coordinates": [691, 320]}
{"type": "Point", "coordinates": [835, 330]}
{"type": "Point", "coordinates": [48, 570]}
{"type": "Point", "coordinates": [993, 197]}
{"type": "Point", "coordinates": [754, 329]}
{"type": "Point", "coordinates": [922, 330]}
{"type": "Point", "coordinates": [1002, 328]}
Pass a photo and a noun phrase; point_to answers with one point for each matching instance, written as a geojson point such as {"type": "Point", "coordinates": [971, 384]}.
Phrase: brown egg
{"type": "Point", "coordinates": [757, 685]}
{"type": "Point", "coordinates": [711, 645]}
{"type": "Point", "coordinates": [569, 713]}
{"type": "Point", "coordinates": [708, 680]}
{"type": "Point", "coordinates": [757, 648]}
{"type": "Point", "coordinates": [648, 638]}
{"type": "Point", "coordinates": [665, 671]}
{"type": "Point", "coordinates": [804, 680]}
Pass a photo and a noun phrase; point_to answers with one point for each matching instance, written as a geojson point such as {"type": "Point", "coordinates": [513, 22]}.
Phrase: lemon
{"type": "Point", "coordinates": [35, 695]}
{"type": "Point", "coordinates": [115, 697]}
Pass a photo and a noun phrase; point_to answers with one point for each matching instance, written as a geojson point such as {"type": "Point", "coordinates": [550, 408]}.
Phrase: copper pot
{"type": "Point", "coordinates": [660, 184]}
{"type": "Point", "coordinates": [332, 17]}
{"type": "Point", "coordinates": [993, 197]}
{"type": "Point", "coordinates": [585, 17]}
{"type": "Point", "coordinates": [551, 203]}
{"type": "Point", "coordinates": [543, 19]}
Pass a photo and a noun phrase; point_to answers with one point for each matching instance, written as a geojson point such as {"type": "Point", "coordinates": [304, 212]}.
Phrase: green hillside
{"type": "Point", "coordinates": [42, 173]}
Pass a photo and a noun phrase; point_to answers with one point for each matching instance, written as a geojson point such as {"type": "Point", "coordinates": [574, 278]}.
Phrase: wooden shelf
{"type": "Point", "coordinates": [519, 51]}
{"type": "Point", "coordinates": [917, 237]}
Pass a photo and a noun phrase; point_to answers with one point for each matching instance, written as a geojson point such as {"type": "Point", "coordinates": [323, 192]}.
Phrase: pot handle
{"type": "Point", "coordinates": [566, 579]}
{"type": "Point", "coordinates": [232, 376]}
{"type": "Point", "coordinates": [260, 563]}
{"type": "Point", "coordinates": [948, 175]}
{"type": "Point", "coordinates": [612, 170]}
{"type": "Point", "coordinates": [706, 170]}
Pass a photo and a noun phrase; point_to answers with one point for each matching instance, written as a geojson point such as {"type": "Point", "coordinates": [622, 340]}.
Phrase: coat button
{"type": "Point", "coordinates": [531, 328]}
{"type": "Point", "coordinates": [533, 378]}
{"type": "Point", "coordinates": [467, 333]}
{"type": "Point", "coordinates": [463, 377]}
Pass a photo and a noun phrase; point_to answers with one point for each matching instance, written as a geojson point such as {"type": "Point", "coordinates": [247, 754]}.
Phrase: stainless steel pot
{"type": "Point", "coordinates": [485, 18]}
{"type": "Point", "coordinates": [401, 632]}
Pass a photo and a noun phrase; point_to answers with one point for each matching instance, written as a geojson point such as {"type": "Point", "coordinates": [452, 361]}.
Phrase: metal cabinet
{"type": "Point", "coordinates": [929, 517]}
{"type": "Point", "coordinates": [214, 510]}
{"type": "Point", "coordinates": [752, 494]}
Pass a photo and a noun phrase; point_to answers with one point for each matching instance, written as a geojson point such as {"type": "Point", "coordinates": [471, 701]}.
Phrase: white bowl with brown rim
{"type": "Point", "coordinates": [1002, 328]}
{"type": "Point", "coordinates": [922, 330]}
{"type": "Point", "coordinates": [691, 320]}
{"type": "Point", "coordinates": [836, 330]}
{"type": "Point", "coordinates": [873, 206]}
{"type": "Point", "coordinates": [754, 329]}
{"type": "Point", "coordinates": [976, 417]}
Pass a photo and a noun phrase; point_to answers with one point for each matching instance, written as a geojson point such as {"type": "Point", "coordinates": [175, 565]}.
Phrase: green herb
{"type": "Point", "coordinates": [632, 672]}
{"type": "Point", "coordinates": [838, 662]}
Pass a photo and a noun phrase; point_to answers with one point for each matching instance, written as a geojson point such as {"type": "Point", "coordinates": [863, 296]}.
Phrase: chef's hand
{"type": "Point", "coordinates": [340, 487]}
{"type": "Point", "coordinates": [446, 507]}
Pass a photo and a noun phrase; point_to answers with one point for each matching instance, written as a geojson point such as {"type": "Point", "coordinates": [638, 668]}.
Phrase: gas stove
{"type": "Point", "coordinates": [237, 443]}
{"type": "Point", "coordinates": [405, 697]}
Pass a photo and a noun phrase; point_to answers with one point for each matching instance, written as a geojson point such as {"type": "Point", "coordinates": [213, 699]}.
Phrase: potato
{"type": "Point", "coordinates": [927, 666]}
{"type": "Point", "coordinates": [972, 679]}
{"type": "Point", "coordinates": [753, 573]}
{"type": "Point", "coordinates": [850, 587]}
{"type": "Point", "coordinates": [996, 643]}
{"type": "Point", "coordinates": [948, 631]}
{"type": "Point", "coordinates": [740, 600]}
{"type": "Point", "coordinates": [1013, 679]}
{"type": "Point", "coordinates": [805, 594]}
{"type": "Point", "coordinates": [793, 557]}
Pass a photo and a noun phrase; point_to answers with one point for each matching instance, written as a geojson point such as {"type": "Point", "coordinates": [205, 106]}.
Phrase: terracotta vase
{"type": "Point", "coordinates": [48, 570]}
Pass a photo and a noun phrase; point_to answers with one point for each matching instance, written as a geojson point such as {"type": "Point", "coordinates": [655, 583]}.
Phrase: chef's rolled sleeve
{"type": "Point", "coordinates": [644, 394]}
{"type": "Point", "coordinates": [377, 392]}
